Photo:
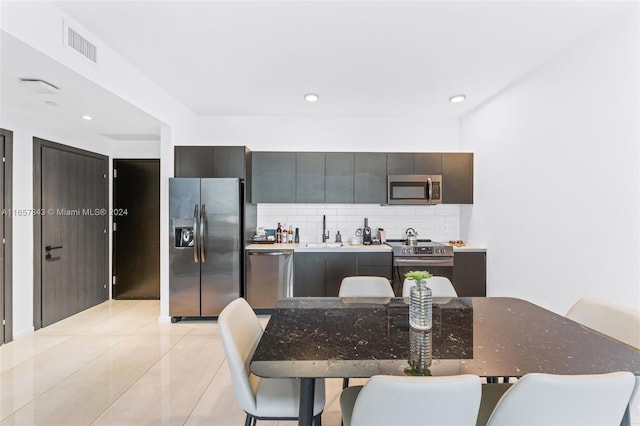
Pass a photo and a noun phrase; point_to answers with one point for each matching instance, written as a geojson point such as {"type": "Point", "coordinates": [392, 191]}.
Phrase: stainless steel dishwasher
{"type": "Point", "coordinates": [269, 277]}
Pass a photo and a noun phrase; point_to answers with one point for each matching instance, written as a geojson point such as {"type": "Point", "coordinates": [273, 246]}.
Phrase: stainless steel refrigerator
{"type": "Point", "coordinates": [210, 221]}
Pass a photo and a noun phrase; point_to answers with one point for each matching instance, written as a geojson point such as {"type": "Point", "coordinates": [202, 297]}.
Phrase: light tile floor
{"type": "Point", "coordinates": [114, 364]}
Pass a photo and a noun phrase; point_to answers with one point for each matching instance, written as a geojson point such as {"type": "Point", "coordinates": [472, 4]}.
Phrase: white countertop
{"type": "Point", "coordinates": [467, 247]}
{"type": "Point", "coordinates": [303, 247]}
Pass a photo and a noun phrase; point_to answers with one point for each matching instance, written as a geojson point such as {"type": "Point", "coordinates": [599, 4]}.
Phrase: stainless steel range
{"type": "Point", "coordinates": [436, 258]}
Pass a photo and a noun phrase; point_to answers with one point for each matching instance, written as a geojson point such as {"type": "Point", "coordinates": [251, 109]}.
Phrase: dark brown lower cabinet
{"type": "Point", "coordinates": [319, 274]}
{"type": "Point", "coordinates": [377, 264]}
{"type": "Point", "coordinates": [338, 266]}
{"type": "Point", "coordinates": [308, 274]}
{"type": "Point", "coordinates": [470, 274]}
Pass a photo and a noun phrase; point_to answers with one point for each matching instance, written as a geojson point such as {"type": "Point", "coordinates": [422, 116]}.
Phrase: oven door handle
{"type": "Point", "coordinates": [443, 261]}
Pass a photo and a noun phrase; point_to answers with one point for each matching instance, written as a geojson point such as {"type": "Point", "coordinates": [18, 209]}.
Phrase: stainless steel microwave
{"type": "Point", "coordinates": [414, 189]}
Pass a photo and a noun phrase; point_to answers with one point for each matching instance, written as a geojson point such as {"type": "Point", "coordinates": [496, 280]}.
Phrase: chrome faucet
{"type": "Point", "coordinates": [325, 231]}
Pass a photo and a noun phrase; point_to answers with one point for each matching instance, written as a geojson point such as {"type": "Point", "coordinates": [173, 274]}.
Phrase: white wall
{"type": "Point", "coordinates": [557, 175]}
{"type": "Point", "coordinates": [373, 134]}
{"type": "Point", "coordinates": [135, 149]}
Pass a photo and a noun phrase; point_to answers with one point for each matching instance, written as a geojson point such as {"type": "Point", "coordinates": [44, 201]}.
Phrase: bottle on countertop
{"type": "Point", "coordinates": [278, 234]}
{"type": "Point", "coordinates": [296, 238]}
{"type": "Point", "coordinates": [290, 235]}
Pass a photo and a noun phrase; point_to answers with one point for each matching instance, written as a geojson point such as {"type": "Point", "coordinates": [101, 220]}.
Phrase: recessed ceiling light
{"type": "Point", "coordinates": [457, 98]}
{"type": "Point", "coordinates": [87, 117]}
{"type": "Point", "coordinates": [311, 97]}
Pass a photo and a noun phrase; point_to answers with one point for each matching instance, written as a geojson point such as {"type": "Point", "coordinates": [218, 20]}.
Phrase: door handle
{"type": "Point", "coordinates": [195, 231]}
{"type": "Point", "coordinates": [430, 186]}
{"type": "Point", "coordinates": [203, 256]}
{"type": "Point", "coordinates": [48, 256]}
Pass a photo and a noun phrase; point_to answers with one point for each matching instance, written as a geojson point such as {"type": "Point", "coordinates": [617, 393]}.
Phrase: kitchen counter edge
{"type": "Point", "coordinates": [470, 248]}
{"type": "Point", "coordinates": [302, 247]}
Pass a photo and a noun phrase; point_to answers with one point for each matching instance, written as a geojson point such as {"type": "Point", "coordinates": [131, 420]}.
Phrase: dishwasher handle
{"type": "Point", "coordinates": [269, 253]}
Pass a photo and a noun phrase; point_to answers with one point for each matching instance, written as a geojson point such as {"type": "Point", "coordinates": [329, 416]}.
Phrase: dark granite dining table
{"type": "Point", "coordinates": [311, 338]}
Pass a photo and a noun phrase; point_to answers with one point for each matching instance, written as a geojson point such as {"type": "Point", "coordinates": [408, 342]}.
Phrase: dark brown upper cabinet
{"type": "Point", "coordinates": [212, 161]}
{"type": "Point", "coordinates": [339, 171]}
{"type": "Point", "coordinates": [310, 169]}
{"type": "Point", "coordinates": [273, 177]}
{"type": "Point", "coordinates": [318, 177]}
{"type": "Point", "coordinates": [400, 163]}
{"type": "Point", "coordinates": [370, 179]}
{"type": "Point", "coordinates": [414, 163]}
{"type": "Point", "coordinates": [428, 163]}
{"type": "Point", "coordinates": [457, 178]}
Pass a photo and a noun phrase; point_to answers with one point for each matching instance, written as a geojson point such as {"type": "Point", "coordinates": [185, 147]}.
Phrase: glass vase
{"type": "Point", "coordinates": [420, 306]}
{"type": "Point", "coordinates": [419, 353]}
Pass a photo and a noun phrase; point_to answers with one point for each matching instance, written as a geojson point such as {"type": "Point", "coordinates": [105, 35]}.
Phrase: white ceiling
{"type": "Point", "coordinates": [364, 58]}
{"type": "Point", "coordinates": [77, 97]}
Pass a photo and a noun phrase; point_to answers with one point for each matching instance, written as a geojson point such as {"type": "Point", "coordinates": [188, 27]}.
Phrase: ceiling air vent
{"type": "Point", "coordinates": [80, 44]}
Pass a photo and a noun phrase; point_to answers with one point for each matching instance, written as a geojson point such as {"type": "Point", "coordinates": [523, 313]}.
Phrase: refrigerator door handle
{"type": "Point", "coordinates": [203, 256]}
{"type": "Point", "coordinates": [195, 231]}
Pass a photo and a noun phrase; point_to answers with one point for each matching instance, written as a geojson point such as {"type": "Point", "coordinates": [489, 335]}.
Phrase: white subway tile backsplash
{"type": "Point", "coordinates": [439, 223]}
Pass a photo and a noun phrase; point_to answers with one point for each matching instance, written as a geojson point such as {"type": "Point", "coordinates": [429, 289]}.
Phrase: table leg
{"type": "Point", "coordinates": [305, 412]}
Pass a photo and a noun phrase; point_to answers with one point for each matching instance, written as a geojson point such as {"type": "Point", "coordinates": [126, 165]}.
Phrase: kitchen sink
{"type": "Point", "coordinates": [321, 245]}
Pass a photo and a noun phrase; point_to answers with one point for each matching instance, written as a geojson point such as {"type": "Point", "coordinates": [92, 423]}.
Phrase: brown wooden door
{"type": "Point", "coordinates": [73, 235]}
{"type": "Point", "coordinates": [136, 238]}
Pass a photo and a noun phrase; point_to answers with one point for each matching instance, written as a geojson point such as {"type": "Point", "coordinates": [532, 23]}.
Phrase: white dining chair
{"type": "Point", "coordinates": [539, 399]}
{"type": "Point", "coordinates": [365, 286]}
{"type": "Point", "coordinates": [615, 321]}
{"type": "Point", "coordinates": [440, 287]}
{"type": "Point", "coordinates": [260, 398]}
{"type": "Point", "coordinates": [412, 401]}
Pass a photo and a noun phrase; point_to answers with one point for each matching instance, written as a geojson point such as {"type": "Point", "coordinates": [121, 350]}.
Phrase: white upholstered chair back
{"type": "Point", "coordinates": [365, 286]}
{"type": "Point", "coordinates": [409, 401]}
{"type": "Point", "coordinates": [440, 287]}
{"type": "Point", "coordinates": [260, 398]}
{"type": "Point", "coordinates": [240, 331]}
{"type": "Point", "coordinates": [615, 321]}
{"type": "Point", "coordinates": [549, 400]}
